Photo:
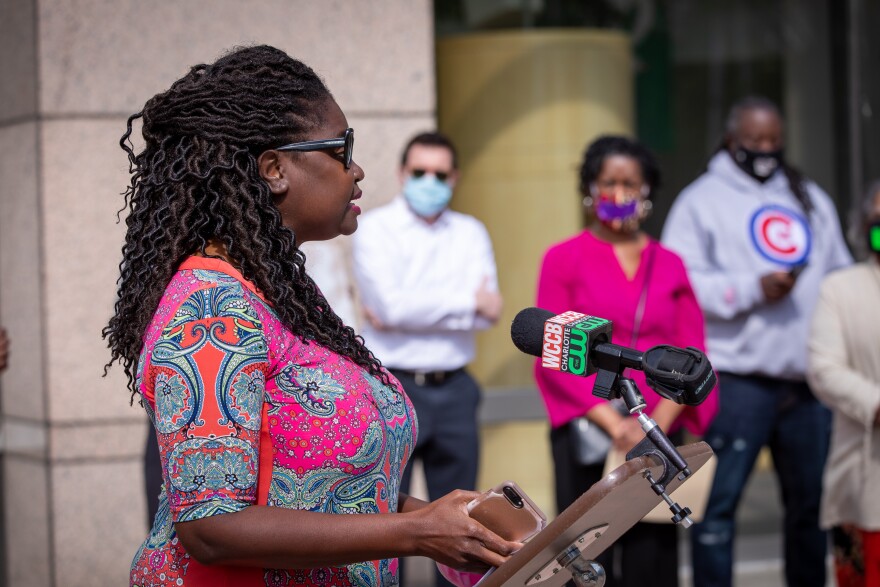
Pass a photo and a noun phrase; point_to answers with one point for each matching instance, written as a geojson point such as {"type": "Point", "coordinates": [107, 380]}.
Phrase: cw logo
{"type": "Point", "coordinates": [577, 356]}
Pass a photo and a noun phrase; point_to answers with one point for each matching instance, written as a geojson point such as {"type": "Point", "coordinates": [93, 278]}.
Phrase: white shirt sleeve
{"type": "Point", "coordinates": [484, 257]}
{"type": "Point", "coordinates": [416, 308]}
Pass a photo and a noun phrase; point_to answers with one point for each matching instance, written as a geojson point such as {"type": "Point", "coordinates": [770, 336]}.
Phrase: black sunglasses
{"type": "Point", "coordinates": [346, 140]}
{"type": "Point", "coordinates": [441, 175]}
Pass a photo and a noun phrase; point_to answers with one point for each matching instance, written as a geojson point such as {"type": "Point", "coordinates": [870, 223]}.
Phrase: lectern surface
{"type": "Point", "coordinates": [608, 509]}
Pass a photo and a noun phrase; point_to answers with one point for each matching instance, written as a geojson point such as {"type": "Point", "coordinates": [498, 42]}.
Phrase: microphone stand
{"type": "Point", "coordinates": [657, 445]}
{"type": "Point", "coordinates": [588, 573]}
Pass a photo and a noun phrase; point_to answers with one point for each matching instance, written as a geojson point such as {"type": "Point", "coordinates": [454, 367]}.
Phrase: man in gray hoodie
{"type": "Point", "coordinates": [757, 238]}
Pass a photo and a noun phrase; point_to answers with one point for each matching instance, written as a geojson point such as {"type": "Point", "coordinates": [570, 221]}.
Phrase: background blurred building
{"type": "Point", "coordinates": [523, 85]}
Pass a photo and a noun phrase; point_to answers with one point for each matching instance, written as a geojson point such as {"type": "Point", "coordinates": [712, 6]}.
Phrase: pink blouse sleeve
{"type": "Point", "coordinates": [207, 375]}
{"type": "Point", "coordinates": [690, 331]}
{"type": "Point", "coordinates": [563, 394]}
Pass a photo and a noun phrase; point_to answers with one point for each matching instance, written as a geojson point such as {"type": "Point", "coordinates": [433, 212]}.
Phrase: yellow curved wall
{"type": "Point", "coordinates": [521, 106]}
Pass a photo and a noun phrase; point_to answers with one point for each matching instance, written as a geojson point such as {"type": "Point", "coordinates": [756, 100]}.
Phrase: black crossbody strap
{"type": "Point", "coordinates": [643, 298]}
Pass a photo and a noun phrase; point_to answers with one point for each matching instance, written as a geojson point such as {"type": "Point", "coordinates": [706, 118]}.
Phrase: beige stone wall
{"type": "Point", "coordinates": [72, 71]}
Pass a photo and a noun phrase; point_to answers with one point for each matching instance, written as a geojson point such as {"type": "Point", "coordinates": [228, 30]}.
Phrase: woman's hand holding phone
{"type": "Point", "coordinates": [508, 512]}
{"type": "Point", "coordinates": [448, 535]}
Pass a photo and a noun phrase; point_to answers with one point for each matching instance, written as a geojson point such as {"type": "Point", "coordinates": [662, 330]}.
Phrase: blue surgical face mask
{"type": "Point", "coordinates": [427, 195]}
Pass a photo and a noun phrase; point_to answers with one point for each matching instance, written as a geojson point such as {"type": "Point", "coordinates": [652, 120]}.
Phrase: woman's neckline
{"type": "Point", "coordinates": [644, 240]}
{"type": "Point", "coordinates": [220, 265]}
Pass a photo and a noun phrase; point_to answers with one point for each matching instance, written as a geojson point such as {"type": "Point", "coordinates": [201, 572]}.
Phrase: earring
{"type": "Point", "coordinates": [588, 202]}
{"type": "Point", "coordinates": [647, 207]}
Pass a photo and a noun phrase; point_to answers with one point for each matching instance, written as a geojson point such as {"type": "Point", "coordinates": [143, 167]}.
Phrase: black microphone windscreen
{"type": "Point", "coordinates": [527, 330]}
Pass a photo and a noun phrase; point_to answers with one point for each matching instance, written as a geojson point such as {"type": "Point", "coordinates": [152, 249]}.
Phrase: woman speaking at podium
{"type": "Point", "coordinates": [282, 438]}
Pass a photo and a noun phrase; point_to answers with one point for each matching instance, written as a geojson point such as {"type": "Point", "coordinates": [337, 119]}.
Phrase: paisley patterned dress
{"type": "Point", "coordinates": [248, 413]}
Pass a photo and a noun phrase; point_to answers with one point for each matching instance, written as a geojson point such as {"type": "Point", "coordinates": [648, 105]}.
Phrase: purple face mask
{"type": "Point", "coordinates": [608, 211]}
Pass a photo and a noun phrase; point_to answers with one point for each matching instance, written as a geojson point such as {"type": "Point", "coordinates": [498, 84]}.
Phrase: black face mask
{"type": "Point", "coordinates": [759, 164]}
{"type": "Point", "coordinates": [874, 237]}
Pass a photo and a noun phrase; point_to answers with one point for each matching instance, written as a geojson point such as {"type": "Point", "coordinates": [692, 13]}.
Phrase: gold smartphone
{"type": "Point", "coordinates": [507, 510]}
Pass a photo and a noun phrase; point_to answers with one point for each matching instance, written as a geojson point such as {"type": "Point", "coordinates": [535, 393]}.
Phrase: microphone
{"type": "Point", "coordinates": [576, 343]}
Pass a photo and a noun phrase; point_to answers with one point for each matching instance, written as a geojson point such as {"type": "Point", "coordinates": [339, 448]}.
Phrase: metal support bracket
{"type": "Point", "coordinates": [560, 562]}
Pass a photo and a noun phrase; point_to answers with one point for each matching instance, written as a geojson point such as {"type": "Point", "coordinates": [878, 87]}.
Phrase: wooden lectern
{"type": "Point", "coordinates": [592, 523]}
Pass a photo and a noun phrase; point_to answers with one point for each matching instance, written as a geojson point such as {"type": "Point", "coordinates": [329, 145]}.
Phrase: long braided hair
{"type": "Point", "coordinates": [197, 179]}
{"type": "Point", "coordinates": [796, 179]}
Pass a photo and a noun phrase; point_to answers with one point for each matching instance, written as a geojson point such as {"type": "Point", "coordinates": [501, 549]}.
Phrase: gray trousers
{"type": "Point", "coordinates": [448, 443]}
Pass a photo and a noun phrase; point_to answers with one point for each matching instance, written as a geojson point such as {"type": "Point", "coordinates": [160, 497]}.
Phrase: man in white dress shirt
{"type": "Point", "coordinates": [427, 282]}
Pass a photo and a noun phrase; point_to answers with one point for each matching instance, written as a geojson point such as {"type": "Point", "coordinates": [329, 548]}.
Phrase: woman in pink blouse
{"type": "Point", "coordinates": [616, 271]}
{"type": "Point", "coordinates": [282, 439]}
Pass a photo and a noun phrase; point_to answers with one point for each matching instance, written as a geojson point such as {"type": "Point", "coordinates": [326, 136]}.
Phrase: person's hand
{"type": "Point", "coordinates": [776, 285]}
{"type": "Point", "coordinates": [489, 302]}
{"type": "Point", "coordinates": [626, 434]}
{"type": "Point", "coordinates": [4, 349]}
{"type": "Point", "coordinates": [451, 537]}
{"type": "Point", "coordinates": [373, 319]}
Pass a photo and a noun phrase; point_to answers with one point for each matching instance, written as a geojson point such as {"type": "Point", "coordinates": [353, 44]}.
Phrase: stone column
{"type": "Point", "coordinates": [72, 71]}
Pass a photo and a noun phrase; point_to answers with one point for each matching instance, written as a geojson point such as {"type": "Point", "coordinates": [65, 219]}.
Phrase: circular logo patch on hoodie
{"type": "Point", "coordinates": [781, 235]}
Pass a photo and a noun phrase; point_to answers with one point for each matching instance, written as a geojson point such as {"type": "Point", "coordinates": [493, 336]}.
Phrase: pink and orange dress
{"type": "Point", "coordinates": [246, 413]}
